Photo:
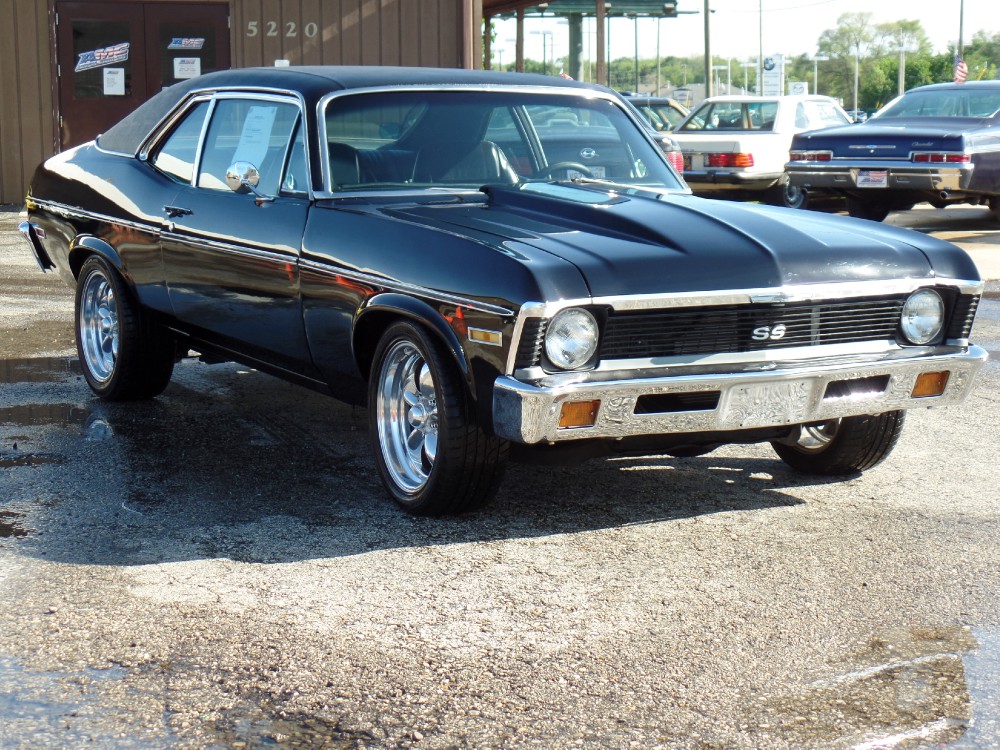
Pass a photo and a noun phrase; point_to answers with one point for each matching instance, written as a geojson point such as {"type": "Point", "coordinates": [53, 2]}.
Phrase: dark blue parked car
{"type": "Point", "coordinates": [939, 144]}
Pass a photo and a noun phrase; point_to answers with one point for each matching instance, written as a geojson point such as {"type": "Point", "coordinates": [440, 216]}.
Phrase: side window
{"type": "Point", "coordinates": [177, 155]}
{"type": "Point", "coordinates": [250, 130]}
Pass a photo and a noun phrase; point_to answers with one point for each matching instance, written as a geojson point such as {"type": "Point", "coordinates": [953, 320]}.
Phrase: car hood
{"type": "Point", "coordinates": [627, 245]}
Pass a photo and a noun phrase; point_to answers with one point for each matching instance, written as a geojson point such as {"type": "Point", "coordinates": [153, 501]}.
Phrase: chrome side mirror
{"type": "Point", "coordinates": [243, 175]}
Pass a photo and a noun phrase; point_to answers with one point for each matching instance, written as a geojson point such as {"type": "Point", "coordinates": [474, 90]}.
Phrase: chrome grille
{"type": "Point", "coordinates": [731, 330]}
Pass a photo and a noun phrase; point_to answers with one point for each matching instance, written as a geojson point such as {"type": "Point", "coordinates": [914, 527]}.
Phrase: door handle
{"type": "Point", "coordinates": [174, 212]}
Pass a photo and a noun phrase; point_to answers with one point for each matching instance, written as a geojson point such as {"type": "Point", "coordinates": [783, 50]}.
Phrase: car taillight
{"type": "Point", "coordinates": [810, 155]}
{"type": "Point", "coordinates": [941, 157]}
{"type": "Point", "coordinates": [676, 158]}
{"type": "Point", "coordinates": [729, 160]}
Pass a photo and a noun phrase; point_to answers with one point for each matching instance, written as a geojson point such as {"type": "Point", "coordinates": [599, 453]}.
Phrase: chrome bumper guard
{"type": "Point", "coordinates": [527, 413]}
{"type": "Point", "coordinates": [33, 234]}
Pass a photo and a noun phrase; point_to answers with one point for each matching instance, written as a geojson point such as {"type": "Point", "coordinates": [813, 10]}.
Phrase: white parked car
{"type": "Point", "coordinates": [737, 146]}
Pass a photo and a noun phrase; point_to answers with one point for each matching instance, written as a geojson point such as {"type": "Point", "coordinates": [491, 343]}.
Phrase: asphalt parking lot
{"type": "Point", "coordinates": [218, 568]}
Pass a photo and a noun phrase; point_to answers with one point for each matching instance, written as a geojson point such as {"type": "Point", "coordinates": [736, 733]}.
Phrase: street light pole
{"type": "Point", "coordinates": [857, 65]}
{"type": "Point", "coordinates": [816, 60]}
{"type": "Point", "coordinates": [708, 51]}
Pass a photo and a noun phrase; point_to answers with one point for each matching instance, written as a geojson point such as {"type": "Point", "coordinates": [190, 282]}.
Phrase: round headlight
{"type": "Point", "coordinates": [923, 316]}
{"type": "Point", "coordinates": [571, 338]}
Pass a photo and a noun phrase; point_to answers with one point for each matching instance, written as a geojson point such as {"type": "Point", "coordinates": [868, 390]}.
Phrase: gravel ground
{"type": "Point", "coordinates": [219, 568]}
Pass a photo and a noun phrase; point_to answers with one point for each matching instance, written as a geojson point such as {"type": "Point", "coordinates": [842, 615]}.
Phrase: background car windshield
{"type": "Point", "coordinates": [944, 103]}
{"type": "Point", "coordinates": [816, 113]}
{"type": "Point", "coordinates": [470, 139]}
{"type": "Point", "coordinates": [733, 116]}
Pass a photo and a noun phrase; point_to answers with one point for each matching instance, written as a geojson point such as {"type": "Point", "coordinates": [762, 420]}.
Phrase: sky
{"type": "Point", "coordinates": [789, 27]}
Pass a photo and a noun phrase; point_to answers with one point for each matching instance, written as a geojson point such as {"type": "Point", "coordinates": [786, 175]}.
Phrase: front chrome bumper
{"type": "Point", "coordinates": [901, 176]}
{"type": "Point", "coordinates": [527, 413]}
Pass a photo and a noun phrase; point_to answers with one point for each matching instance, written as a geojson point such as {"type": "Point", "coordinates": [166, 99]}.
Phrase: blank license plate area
{"type": "Point", "coordinates": [873, 178]}
{"type": "Point", "coordinates": [765, 404]}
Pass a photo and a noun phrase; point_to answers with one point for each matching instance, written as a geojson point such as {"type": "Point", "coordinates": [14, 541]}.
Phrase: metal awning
{"type": "Point", "coordinates": [585, 7]}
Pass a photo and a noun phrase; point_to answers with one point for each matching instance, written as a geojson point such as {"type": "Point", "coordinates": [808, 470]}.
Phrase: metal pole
{"type": "Point", "coordinates": [708, 51]}
{"type": "Point", "coordinates": [635, 25]}
{"type": "Point", "coordinates": [658, 32]}
{"type": "Point", "coordinates": [760, 47]}
{"type": "Point", "coordinates": [902, 64]}
{"type": "Point", "coordinates": [961, 29]}
{"type": "Point", "coordinates": [815, 77]}
{"type": "Point", "coordinates": [857, 64]}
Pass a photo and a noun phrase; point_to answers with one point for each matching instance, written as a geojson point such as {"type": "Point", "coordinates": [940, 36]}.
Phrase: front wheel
{"type": "Point", "coordinates": [124, 355]}
{"type": "Point", "coordinates": [842, 446]}
{"type": "Point", "coordinates": [432, 455]}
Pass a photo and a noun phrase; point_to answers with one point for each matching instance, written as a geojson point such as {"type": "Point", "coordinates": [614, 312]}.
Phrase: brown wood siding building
{"type": "Point", "coordinates": [439, 33]}
{"type": "Point", "coordinates": [26, 111]}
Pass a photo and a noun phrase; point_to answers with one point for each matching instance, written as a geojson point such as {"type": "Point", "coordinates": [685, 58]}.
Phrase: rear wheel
{"type": "Point", "coordinates": [842, 446]}
{"type": "Point", "coordinates": [867, 209]}
{"type": "Point", "coordinates": [431, 454]}
{"type": "Point", "coordinates": [124, 355]}
{"type": "Point", "coordinates": [995, 207]}
{"type": "Point", "coordinates": [788, 195]}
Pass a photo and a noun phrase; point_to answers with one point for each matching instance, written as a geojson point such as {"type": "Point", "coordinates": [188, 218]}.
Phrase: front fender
{"type": "Point", "coordinates": [379, 312]}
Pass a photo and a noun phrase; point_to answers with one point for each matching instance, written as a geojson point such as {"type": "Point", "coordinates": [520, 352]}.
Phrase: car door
{"type": "Point", "coordinates": [231, 258]}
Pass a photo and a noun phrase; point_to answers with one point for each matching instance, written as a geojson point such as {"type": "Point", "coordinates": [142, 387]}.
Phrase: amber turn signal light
{"type": "Point", "coordinates": [930, 384]}
{"type": "Point", "coordinates": [578, 414]}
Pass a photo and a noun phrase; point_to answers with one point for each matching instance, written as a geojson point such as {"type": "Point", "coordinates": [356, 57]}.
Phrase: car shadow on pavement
{"type": "Point", "coordinates": [248, 468]}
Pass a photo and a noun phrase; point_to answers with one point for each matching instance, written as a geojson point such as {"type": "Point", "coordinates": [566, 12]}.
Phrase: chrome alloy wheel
{"type": "Point", "coordinates": [815, 438]}
{"type": "Point", "coordinates": [99, 328]}
{"type": "Point", "coordinates": [407, 416]}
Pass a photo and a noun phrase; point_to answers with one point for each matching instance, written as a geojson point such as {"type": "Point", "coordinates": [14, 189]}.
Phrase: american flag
{"type": "Point", "coordinates": [961, 70]}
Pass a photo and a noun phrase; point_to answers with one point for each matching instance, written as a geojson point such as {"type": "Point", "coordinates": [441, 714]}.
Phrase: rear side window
{"type": "Point", "coordinates": [177, 156]}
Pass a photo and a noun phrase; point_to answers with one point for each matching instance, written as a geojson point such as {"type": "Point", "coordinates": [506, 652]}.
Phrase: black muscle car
{"type": "Point", "coordinates": [498, 266]}
{"type": "Point", "coordinates": [939, 144]}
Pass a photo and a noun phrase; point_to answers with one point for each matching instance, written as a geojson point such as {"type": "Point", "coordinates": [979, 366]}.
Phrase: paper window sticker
{"type": "Point", "coordinates": [114, 81]}
{"type": "Point", "coordinates": [256, 135]}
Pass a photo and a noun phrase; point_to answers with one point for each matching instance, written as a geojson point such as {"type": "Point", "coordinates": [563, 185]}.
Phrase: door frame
{"type": "Point", "coordinates": [56, 83]}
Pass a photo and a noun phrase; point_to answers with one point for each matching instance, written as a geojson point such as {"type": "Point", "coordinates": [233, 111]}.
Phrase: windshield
{"type": "Point", "coordinates": [944, 103]}
{"type": "Point", "coordinates": [467, 139]}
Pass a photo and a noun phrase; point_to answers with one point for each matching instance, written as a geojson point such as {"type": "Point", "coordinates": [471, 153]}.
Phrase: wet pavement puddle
{"type": "Point", "coordinates": [36, 415]}
{"type": "Point", "coordinates": [11, 526]}
{"type": "Point", "coordinates": [39, 370]}
{"type": "Point", "coordinates": [9, 461]}
{"type": "Point", "coordinates": [918, 688]}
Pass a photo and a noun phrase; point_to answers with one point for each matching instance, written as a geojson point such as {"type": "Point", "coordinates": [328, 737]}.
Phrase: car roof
{"type": "Point", "coordinates": [781, 98]}
{"type": "Point", "coordinates": [312, 82]}
{"type": "Point", "coordinates": [992, 84]}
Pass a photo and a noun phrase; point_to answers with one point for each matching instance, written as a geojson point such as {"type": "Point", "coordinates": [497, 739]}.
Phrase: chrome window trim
{"type": "Point", "coordinates": [321, 105]}
{"type": "Point", "coordinates": [286, 96]}
{"type": "Point", "coordinates": [401, 286]}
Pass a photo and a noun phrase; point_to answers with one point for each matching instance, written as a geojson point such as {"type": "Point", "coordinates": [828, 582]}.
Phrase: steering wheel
{"type": "Point", "coordinates": [567, 165]}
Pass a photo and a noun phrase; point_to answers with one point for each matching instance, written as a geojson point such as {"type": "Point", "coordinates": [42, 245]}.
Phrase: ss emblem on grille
{"type": "Point", "coordinates": [770, 333]}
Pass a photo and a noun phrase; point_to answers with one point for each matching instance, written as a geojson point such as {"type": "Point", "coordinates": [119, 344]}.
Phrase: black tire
{"type": "Point", "coordinates": [124, 355]}
{"type": "Point", "coordinates": [788, 195]}
{"type": "Point", "coordinates": [994, 204]}
{"type": "Point", "coordinates": [866, 209]}
{"type": "Point", "coordinates": [431, 454]}
{"type": "Point", "coordinates": [843, 446]}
